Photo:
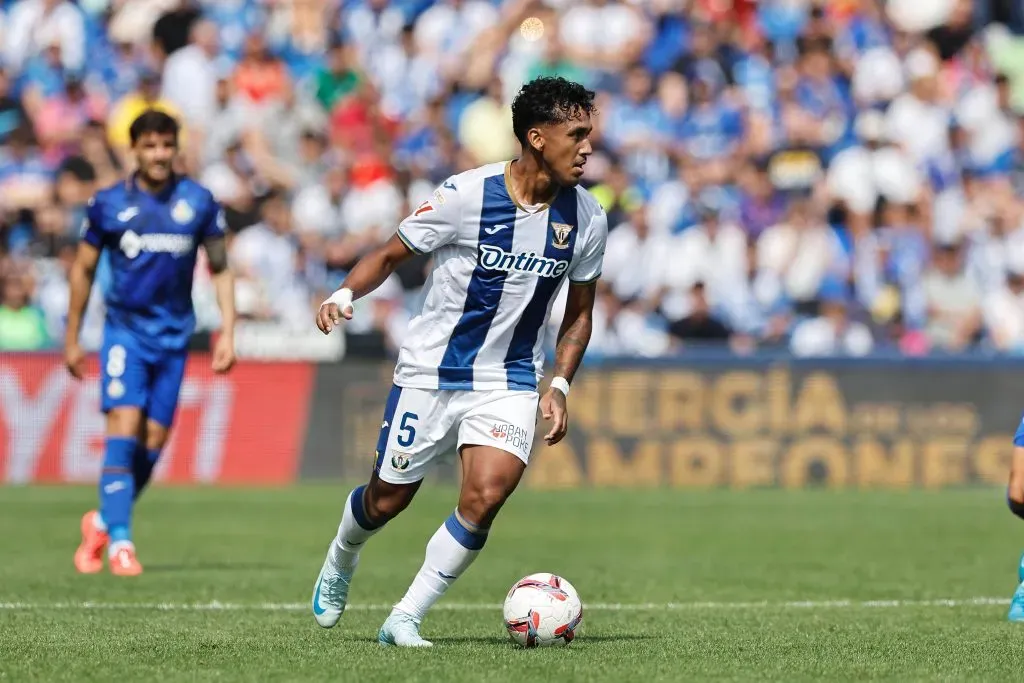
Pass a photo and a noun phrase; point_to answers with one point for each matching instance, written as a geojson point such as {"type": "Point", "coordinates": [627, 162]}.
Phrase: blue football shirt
{"type": "Point", "coordinates": [151, 241]}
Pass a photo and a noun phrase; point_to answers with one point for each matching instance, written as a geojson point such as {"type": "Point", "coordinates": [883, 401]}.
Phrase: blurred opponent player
{"type": "Point", "coordinates": [151, 227]}
{"type": "Point", "coordinates": [503, 239]}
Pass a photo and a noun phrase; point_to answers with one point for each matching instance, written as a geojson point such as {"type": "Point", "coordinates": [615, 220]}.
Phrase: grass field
{"type": "Point", "coordinates": [766, 585]}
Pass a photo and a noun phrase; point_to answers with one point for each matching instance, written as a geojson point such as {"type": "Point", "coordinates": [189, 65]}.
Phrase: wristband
{"type": "Point", "coordinates": [561, 384]}
{"type": "Point", "coordinates": [342, 297]}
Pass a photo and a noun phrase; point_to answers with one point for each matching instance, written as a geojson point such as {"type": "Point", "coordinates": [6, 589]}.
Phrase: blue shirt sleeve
{"type": "Point", "coordinates": [92, 224]}
{"type": "Point", "coordinates": [214, 223]}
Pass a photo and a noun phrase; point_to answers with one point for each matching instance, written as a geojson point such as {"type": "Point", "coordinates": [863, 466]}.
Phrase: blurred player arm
{"type": "Point", "coordinates": [223, 280]}
{"type": "Point", "coordinates": [215, 245]}
{"type": "Point", "coordinates": [80, 279]}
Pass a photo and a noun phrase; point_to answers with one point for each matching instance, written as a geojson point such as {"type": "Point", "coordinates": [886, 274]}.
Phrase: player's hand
{"type": "Point", "coordinates": [330, 316]}
{"type": "Point", "coordinates": [223, 354]}
{"type": "Point", "coordinates": [74, 358]}
{"type": "Point", "coordinates": [552, 407]}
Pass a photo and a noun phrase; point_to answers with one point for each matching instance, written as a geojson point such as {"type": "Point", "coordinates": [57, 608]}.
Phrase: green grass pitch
{"type": "Point", "coordinates": [763, 585]}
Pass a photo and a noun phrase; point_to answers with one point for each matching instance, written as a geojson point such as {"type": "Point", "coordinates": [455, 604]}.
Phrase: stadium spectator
{"type": "Point", "coordinates": [771, 152]}
{"type": "Point", "coordinates": [953, 300]}
{"type": "Point", "coordinates": [1004, 312]}
{"type": "Point", "coordinates": [33, 26]}
{"type": "Point", "coordinates": [832, 332]}
{"type": "Point", "coordinates": [22, 326]}
{"type": "Point", "coordinates": [190, 76]}
{"type": "Point", "coordinates": [699, 325]}
{"type": "Point", "coordinates": [147, 96]}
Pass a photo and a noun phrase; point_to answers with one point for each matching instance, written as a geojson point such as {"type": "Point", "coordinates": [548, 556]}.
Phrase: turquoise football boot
{"type": "Point", "coordinates": [1017, 604]}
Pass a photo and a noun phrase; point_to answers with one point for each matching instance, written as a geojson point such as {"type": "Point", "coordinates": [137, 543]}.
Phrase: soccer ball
{"type": "Point", "coordinates": [542, 610]}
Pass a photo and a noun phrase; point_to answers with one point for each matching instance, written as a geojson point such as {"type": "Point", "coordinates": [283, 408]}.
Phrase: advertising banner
{"type": "Point", "coordinates": [245, 427]}
{"type": "Point", "coordinates": [735, 424]}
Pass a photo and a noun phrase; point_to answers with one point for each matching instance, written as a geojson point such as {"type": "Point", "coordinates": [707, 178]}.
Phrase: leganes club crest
{"type": "Point", "coordinates": [560, 240]}
{"type": "Point", "coordinates": [400, 461]}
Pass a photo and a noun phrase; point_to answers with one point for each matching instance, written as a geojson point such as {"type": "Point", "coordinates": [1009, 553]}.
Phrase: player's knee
{"type": "Point", "coordinates": [124, 422]}
{"type": "Point", "coordinates": [156, 436]}
{"type": "Point", "coordinates": [480, 504]}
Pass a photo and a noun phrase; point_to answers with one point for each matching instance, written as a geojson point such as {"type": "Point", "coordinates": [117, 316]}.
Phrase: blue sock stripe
{"type": "Point", "coordinates": [355, 501]}
{"type": "Point", "coordinates": [468, 539]}
{"type": "Point", "coordinates": [469, 526]}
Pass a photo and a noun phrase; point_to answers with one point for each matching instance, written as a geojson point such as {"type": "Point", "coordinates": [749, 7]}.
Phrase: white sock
{"type": "Point", "coordinates": [353, 531]}
{"type": "Point", "coordinates": [116, 547]}
{"type": "Point", "coordinates": [98, 523]}
{"type": "Point", "coordinates": [450, 551]}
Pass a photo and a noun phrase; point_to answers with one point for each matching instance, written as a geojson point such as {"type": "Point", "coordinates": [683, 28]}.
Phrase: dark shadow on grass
{"type": "Point", "coordinates": [214, 567]}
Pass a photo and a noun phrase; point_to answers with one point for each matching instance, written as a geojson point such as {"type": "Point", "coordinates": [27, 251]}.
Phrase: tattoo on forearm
{"type": "Point", "coordinates": [572, 343]}
{"type": "Point", "coordinates": [217, 253]}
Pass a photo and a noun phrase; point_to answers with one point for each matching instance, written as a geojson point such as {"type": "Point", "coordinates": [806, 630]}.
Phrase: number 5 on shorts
{"type": "Point", "coordinates": [407, 433]}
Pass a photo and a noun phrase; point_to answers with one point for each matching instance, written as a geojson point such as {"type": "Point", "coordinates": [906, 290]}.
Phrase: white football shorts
{"type": "Point", "coordinates": [421, 424]}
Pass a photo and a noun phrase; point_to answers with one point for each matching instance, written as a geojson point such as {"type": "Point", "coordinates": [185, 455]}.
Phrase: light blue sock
{"type": "Point", "coordinates": [117, 487]}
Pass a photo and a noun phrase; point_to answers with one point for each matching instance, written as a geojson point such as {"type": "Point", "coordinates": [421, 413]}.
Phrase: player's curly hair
{"type": "Point", "coordinates": [549, 100]}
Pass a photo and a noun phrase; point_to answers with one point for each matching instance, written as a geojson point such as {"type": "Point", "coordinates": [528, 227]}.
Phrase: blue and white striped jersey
{"type": "Point", "coordinates": [497, 267]}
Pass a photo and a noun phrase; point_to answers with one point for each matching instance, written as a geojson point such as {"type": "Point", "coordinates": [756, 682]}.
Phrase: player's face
{"type": "Point", "coordinates": [566, 148]}
{"type": "Point", "coordinates": [154, 154]}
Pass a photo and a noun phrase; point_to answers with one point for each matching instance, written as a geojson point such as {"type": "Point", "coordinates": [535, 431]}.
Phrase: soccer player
{"type": "Point", "coordinates": [1015, 499]}
{"type": "Point", "coordinates": [151, 227]}
{"type": "Point", "coordinates": [503, 237]}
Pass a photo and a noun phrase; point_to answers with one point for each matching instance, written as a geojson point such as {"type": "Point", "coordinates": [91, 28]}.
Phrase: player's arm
{"type": "Point", "coordinates": [80, 280]}
{"type": "Point", "coordinates": [368, 274]}
{"type": "Point", "coordinates": [216, 247]}
{"type": "Point", "coordinates": [577, 325]}
{"type": "Point", "coordinates": [573, 337]}
{"type": "Point", "coordinates": [433, 224]}
{"type": "Point", "coordinates": [224, 285]}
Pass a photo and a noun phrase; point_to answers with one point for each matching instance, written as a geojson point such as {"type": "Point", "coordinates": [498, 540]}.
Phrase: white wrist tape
{"type": "Point", "coordinates": [562, 384]}
{"type": "Point", "coordinates": [342, 297]}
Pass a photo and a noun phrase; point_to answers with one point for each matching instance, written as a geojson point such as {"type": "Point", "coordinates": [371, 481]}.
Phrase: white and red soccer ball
{"type": "Point", "coordinates": [543, 610]}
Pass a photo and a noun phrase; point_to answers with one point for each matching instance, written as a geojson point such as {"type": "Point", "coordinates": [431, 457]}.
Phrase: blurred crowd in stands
{"type": "Point", "coordinates": [827, 177]}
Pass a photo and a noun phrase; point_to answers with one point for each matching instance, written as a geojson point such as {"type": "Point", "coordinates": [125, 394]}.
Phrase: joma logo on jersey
{"type": "Point", "coordinates": [496, 258]}
{"type": "Point", "coordinates": [132, 244]}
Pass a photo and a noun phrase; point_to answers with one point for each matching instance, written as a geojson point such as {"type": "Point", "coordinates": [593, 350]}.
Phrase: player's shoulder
{"type": "Point", "coordinates": [588, 210]}
{"type": "Point", "coordinates": [464, 187]}
{"type": "Point", "coordinates": [189, 187]}
{"type": "Point", "coordinates": [474, 177]}
{"type": "Point", "coordinates": [587, 203]}
{"type": "Point", "coordinates": [109, 194]}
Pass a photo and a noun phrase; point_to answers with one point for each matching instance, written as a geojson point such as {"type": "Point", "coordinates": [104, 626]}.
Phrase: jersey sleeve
{"type": "Point", "coordinates": [92, 224]}
{"type": "Point", "coordinates": [588, 268]}
{"type": "Point", "coordinates": [435, 222]}
{"type": "Point", "coordinates": [214, 223]}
